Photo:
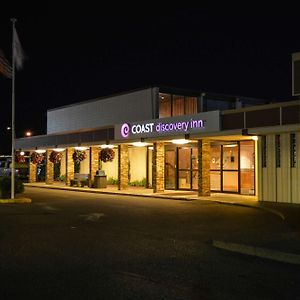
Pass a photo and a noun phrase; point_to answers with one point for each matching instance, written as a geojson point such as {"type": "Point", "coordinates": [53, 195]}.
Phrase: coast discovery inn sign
{"type": "Point", "coordinates": [187, 124]}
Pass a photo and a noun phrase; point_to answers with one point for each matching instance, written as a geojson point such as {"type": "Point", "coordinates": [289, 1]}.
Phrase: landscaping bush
{"type": "Point", "coordinates": [5, 187]}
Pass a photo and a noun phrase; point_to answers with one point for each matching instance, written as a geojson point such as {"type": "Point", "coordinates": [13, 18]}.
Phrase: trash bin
{"type": "Point", "coordinates": [100, 179]}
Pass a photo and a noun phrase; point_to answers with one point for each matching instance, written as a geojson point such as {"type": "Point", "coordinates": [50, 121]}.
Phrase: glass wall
{"type": "Point", "coordinates": [176, 105]}
{"type": "Point", "coordinates": [236, 173]}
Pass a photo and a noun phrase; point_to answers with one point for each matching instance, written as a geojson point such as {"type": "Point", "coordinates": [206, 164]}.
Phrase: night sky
{"type": "Point", "coordinates": [80, 54]}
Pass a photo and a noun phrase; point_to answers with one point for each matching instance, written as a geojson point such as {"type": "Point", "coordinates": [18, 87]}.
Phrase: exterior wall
{"type": "Point", "coordinates": [204, 168]}
{"type": "Point", "coordinates": [111, 167]}
{"type": "Point", "coordinates": [69, 165]}
{"type": "Point", "coordinates": [32, 172]}
{"type": "Point", "coordinates": [49, 168]}
{"type": "Point", "coordinates": [85, 164]}
{"type": "Point", "coordinates": [93, 162]}
{"type": "Point", "coordinates": [137, 163]}
{"type": "Point", "coordinates": [295, 174]}
{"type": "Point", "coordinates": [158, 167]}
{"type": "Point", "coordinates": [103, 112]}
{"type": "Point", "coordinates": [123, 167]}
{"type": "Point", "coordinates": [279, 184]}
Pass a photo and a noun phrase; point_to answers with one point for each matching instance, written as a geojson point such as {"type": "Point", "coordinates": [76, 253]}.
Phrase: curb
{"type": "Point", "coordinates": [258, 252]}
{"type": "Point", "coordinates": [18, 200]}
{"type": "Point", "coordinates": [183, 198]}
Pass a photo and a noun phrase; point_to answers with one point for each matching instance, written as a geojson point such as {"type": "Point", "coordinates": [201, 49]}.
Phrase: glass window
{"type": "Point", "coordinates": [164, 105]}
{"type": "Point", "coordinates": [190, 105]}
{"type": "Point", "coordinates": [178, 105]}
{"type": "Point", "coordinates": [230, 156]}
{"type": "Point", "coordinates": [184, 158]}
{"type": "Point", "coordinates": [293, 150]}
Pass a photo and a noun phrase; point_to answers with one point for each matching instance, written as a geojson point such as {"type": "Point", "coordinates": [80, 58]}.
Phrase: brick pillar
{"type": "Point", "coordinates": [69, 165]}
{"type": "Point", "coordinates": [32, 172]}
{"type": "Point", "coordinates": [49, 168]}
{"type": "Point", "coordinates": [123, 167]}
{"type": "Point", "coordinates": [158, 167]}
{"type": "Point", "coordinates": [204, 168]}
{"type": "Point", "coordinates": [94, 162]}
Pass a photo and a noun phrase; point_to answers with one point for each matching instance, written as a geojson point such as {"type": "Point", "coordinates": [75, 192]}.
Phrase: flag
{"type": "Point", "coordinates": [5, 67]}
{"type": "Point", "coordinates": [18, 53]}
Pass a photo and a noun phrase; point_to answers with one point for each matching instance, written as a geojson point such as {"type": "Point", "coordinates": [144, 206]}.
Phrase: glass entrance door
{"type": "Point", "coordinates": [170, 169]}
{"type": "Point", "coordinates": [230, 168]}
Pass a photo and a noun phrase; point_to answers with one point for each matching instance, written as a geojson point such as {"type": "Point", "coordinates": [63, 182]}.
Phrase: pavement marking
{"type": "Point", "coordinates": [258, 251]}
{"type": "Point", "coordinates": [93, 217]}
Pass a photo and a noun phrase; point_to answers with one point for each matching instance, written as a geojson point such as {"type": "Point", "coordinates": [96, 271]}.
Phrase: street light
{"type": "Point", "coordinates": [28, 133]}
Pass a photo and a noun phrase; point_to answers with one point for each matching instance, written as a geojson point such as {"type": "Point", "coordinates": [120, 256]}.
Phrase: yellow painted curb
{"type": "Point", "coordinates": [18, 200]}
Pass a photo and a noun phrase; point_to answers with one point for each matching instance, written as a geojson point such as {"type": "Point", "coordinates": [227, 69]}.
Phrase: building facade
{"type": "Point", "coordinates": [171, 139]}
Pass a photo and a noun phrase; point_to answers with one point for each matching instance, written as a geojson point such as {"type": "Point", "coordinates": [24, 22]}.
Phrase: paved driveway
{"type": "Point", "coordinates": [70, 245]}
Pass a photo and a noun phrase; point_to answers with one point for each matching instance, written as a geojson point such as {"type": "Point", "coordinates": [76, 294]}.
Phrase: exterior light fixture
{"type": "Point", "coordinates": [109, 146]}
{"type": "Point", "coordinates": [22, 153]}
{"type": "Point", "coordinates": [150, 148]}
{"type": "Point", "coordinates": [140, 144]}
{"type": "Point", "coordinates": [180, 141]}
{"type": "Point", "coordinates": [40, 151]}
{"type": "Point", "coordinates": [58, 149]}
{"type": "Point", "coordinates": [81, 148]}
{"type": "Point", "coordinates": [28, 133]}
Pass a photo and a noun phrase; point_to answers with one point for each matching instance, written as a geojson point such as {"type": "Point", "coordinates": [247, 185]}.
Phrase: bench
{"type": "Point", "coordinates": [80, 180]}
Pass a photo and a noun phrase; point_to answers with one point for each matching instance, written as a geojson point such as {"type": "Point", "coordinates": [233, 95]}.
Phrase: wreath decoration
{"type": "Point", "coordinates": [106, 154]}
{"type": "Point", "coordinates": [55, 157]}
{"type": "Point", "coordinates": [20, 158]}
{"type": "Point", "coordinates": [79, 156]}
{"type": "Point", "coordinates": [37, 158]}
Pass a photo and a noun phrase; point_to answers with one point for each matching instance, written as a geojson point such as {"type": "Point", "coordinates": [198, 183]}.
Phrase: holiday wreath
{"type": "Point", "coordinates": [37, 158]}
{"type": "Point", "coordinates": [106, 154]}
{"type": "Point", "coordinates": [55, 157]}
{"type": "Point", "coordinates": [20, 158]}
{"type": "Point", "coordinates": [79, 156]}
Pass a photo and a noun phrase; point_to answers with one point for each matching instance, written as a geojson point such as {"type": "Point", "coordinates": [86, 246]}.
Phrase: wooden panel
{"type": "Point", "coordinates": [261, 118]}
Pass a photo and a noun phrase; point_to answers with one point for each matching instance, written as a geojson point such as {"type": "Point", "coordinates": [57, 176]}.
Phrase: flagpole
{"type": "Point", "coordinates": [13, 113]}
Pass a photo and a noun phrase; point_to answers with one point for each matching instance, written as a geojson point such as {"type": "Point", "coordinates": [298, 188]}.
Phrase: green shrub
{"type": "Point", "coordinates": [5, 186]}
{"type": "Point", "coordinates": [138, 182]}
{"type": "Point", "coordinates": [112, 181]}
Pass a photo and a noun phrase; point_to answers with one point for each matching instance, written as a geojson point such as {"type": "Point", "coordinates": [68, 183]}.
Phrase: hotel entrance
{"type": "Point", "coordinates": [232, 167]}
{"type": "Point", "coordinates": [181, 167]}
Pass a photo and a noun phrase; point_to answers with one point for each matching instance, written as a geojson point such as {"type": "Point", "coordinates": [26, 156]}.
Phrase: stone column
{"type": "Point", "coordinates": [69, 165]}
{"type": "Point", "coordinates": [49, 169]}
{"type": "Point", "coordinates": [94, 162]}
{"type": "Point", "coordinates": [204, 168]}
{"type": "Point", "coordinates": [158, 167]}
{"type": "Point", "coordinates": [32, 172]}
{"type": "Point", "coordinates": [122, 167]}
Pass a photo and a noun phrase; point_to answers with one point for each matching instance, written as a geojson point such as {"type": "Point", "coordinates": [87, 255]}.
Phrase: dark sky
{"type": "Point", "coordinates": [81, 53]}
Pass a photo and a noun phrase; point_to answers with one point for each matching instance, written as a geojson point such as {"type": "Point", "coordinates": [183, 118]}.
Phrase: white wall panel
{"type": "Point", "coordinates": [134, 106]}
{"type": "Point", "coordinates": [271, 170]}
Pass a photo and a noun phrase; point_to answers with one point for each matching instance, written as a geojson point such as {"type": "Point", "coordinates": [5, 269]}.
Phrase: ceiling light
{"type": "Point", "coordinates": [40, 151]}
{"type": "Point", "coordinates": [107, 146]}
{"type": "Point", "coordinates": [140, 144]}
{"type": "Point", "coordinates": [58, 149]}
{"type": "Point", "coordinates": [81, 148]}
{"type": "Point", "coordinates": [180, 141]}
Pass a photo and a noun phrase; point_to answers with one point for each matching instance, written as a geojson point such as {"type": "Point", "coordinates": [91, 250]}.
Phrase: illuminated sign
{"type": "Point", "coordinates": [203, 122]}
